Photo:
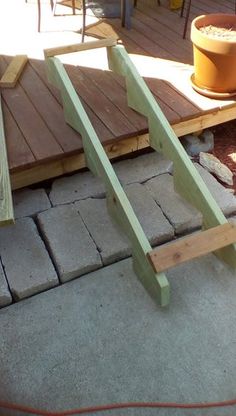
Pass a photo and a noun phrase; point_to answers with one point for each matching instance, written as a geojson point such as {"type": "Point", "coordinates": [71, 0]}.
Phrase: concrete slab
{"type": "Point", "coordinates": [110, 241]}
{"type": "Point", "coordinates": [27, 265]}
{"type": "Point", "coordinates": [101, 339]}
{"type": "Point", "coordinates": [72, 249]}
{"type": "Point", "coordinates": [28, 202]}
{"type": "Point", "coordinates": [5, 296]}
{"type": "Point", "coordinates": [225, 199]}
{"type": "Point", "coordinates": [142, 168]}
{"type": "Point", "coordinates": [76, 187]}
{"type": "Point", "coordinates": [181, 214]}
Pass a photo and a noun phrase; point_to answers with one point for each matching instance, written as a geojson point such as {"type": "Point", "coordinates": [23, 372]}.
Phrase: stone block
{"type": "Point", "coordinates": [71, 247]}
{"type": "Point", "coordinates": [111, 242]}
{"type": "Point", "coordinates": [183, 216]}
{"type": "Point", "coordinates": [27, 264]}
{"type": "Point", "coordinates": [155, 225]}
{"type": "Point", "coordinates": [76, 187]}
{"type": "Point", "coordinates": [5, 296]}
{"type": "Point", "coordinates": [28, 202]}
{"type": "Point", "coordinates": [223, 196]}
{"type": "Point", "coordinates": [142, 168]}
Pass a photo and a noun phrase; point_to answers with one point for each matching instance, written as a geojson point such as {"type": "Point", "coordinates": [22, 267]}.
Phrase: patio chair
{"type": "Point", "coordinates": [188, 13]}
{"type": "Point", "coordinates": [53, 4]}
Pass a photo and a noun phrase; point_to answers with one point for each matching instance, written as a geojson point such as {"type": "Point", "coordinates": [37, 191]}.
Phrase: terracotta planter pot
{"type": "Point", "coordinates": [214, 58]}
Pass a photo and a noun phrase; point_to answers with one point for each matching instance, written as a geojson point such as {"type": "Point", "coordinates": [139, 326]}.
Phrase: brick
{"type": "Point", "coordinates": [223, 196]}
{"type": "Point", "coordinates": [72, 249]}
{"type": "Point", "coordinates": [76, 187]}
{"type": "Point", "coordinates": [181, 214]}
{"type": "Point", "coordinates": [29, 202]}
{"type": "Point", "coordinates": [5, 296]}
{"type": "Point", "coordinates": [111, 242]}
{"type": "Point", "coordinates": [28, 267]}
{"type": "Point", "coordinates": [155, 225]}
{"type": "Point", "coordinates": [142, 168]}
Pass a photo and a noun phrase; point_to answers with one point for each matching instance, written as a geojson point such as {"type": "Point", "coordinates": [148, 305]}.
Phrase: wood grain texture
{"type": "Point", "coordinates": [6, 208]}
{"type": "Point", "coordinates": [13, 71]}
{"type": "Point", "coordinates": [192, 247]}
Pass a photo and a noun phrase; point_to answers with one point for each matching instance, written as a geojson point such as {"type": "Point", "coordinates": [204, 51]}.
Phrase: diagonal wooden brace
{"type": "Point", "coordinates": [188, 181]}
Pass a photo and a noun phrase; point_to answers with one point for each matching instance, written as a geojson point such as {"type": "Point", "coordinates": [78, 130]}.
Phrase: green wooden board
{"type": "Point", "coordinates": [6, 207]}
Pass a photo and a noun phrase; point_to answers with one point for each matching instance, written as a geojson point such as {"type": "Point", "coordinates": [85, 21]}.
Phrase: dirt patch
{"type": "Point", "coordinates": [227, 33]}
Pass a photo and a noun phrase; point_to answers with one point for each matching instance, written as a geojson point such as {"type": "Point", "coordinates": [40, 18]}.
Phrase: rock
{"type": "Point", "coordinates": [214, 165]}
{"type": "Point", "coordinates": [194, 144]}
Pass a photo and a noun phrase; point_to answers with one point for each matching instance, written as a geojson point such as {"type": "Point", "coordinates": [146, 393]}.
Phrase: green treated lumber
{"type": "Point", "coordinates": [118, 204]}
{"type": "Point", "coordinates": [6, 207]}
{"type": "Point", "coordinates": [188, 181]}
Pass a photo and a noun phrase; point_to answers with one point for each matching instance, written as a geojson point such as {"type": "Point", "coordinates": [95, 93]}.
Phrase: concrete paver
{"type": "Point", "coordinates": [5, 296]}
{"type": "Point", "coordinates": [28, 202]}
{"type": "Point", "coordinates": [111, 242]}
{"type": "Point", "coordinates": [76, 187]}
{"type": "Point", "coordinates": [155, 225]}
{"type": "Point", "coordinates": [101, 339]}
{"type": "Point", "coordinates": [70, 245]}
{"type": "Point", "coordinates": [181, 215]}
{"type": "Point", "coordinates": [142, 168]}
{"type": "Point", "coordinates": [28, 267]}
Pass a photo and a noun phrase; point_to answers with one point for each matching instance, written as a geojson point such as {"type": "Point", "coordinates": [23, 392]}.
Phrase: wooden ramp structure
{"type": "Point", "coordinates": [218, 236]}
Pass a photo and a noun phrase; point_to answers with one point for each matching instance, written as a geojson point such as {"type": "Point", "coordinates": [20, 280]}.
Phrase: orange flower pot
{"type": "Point", "coordinates": [214, 57]}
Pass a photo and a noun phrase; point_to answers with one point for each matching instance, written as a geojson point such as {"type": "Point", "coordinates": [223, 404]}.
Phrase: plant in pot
{"type": "Point", "coordinates": [214, 54]}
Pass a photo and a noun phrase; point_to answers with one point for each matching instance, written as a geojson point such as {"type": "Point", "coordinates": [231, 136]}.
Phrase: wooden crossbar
{"type": "Point", "coordinates": [193, 246]}
{"type": "Point", "coordinates": [13, 71]}
{"type": "Point", "coordinates": [78, 47]}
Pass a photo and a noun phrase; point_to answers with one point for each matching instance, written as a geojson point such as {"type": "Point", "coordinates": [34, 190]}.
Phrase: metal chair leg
{"type": "Point", "coordinates": [186, 19]}
{"type": "Point", "coordinates": [84, 20]}
{"type": "Point", "coordinates": [39, 15]}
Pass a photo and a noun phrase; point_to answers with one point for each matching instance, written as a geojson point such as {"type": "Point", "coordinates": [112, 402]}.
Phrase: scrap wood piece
{"type": "Point", "coordinates": [6, 207]}
{"type": "Point", "coordinates": [193, 246]}
{"type": "Point", "coordinates": [13, 71]}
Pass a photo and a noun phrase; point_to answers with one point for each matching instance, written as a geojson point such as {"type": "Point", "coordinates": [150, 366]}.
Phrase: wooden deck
{"type": "Point", "coordinates": [41, 145]}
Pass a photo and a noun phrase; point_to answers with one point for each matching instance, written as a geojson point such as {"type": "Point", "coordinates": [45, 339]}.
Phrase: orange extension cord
{"type": "Point", "coordinates": [94, 409]}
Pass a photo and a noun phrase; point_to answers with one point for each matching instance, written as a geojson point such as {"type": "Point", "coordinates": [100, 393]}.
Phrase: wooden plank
{"type": "Point", "coordinates": [70, 163]}
{"type": "Point", "coordinates": [191, 247]}
{"type": "Point", "coordinates": [61, 50]}
{"type": "Point", "coordinates": [13, 71]}
{"type": "Point", "coordinates": [50, 111]}
{"type": "Point", "coordinates": [34, 129]}
{"type": "Point", "coordinates": [19, 153]}
{"type": "Point", "coordinates": [6, 207]}
{"type": "Point", "coordinates": [108, 113]}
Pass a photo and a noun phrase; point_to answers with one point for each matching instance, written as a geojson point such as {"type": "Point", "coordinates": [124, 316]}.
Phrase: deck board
{"type": "Point", "coordinates": [41, 145]}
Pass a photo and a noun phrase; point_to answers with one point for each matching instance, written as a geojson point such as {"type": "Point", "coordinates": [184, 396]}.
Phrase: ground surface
{"type": "Point", "coordinates": [101, 338]}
